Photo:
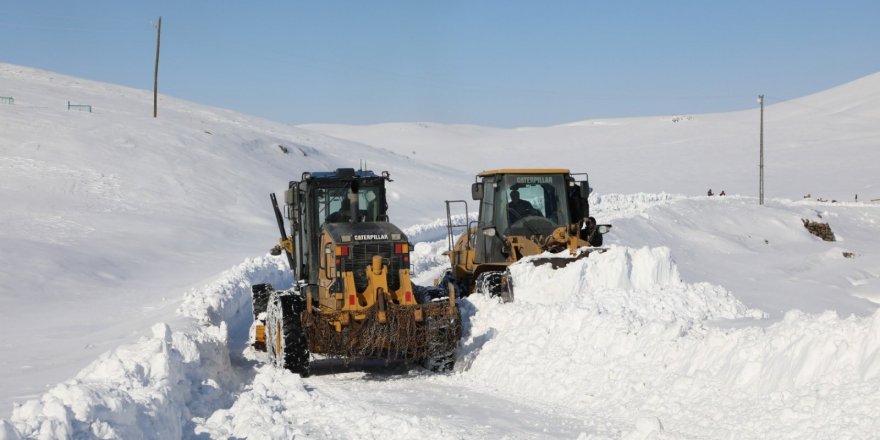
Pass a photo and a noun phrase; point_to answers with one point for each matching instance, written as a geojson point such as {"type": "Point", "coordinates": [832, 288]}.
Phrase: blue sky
{"type": "Point", "coordinates": [497, 63]}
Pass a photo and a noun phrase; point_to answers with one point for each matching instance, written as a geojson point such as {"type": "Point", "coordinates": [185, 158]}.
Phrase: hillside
{"type": "Point", "coordinates": [811, 144]}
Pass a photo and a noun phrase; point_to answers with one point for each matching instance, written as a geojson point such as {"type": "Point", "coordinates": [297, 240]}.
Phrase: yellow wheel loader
{"type": "Point", "coordinates": [522, 212]}
{"type": "Point", "coordinates": [352, 295]}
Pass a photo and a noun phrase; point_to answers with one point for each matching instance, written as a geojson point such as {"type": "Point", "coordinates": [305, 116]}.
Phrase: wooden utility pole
{"type": "Point", "coordinates": [156, 74]}
{"type": "Point", "coordinates": [761, 163]}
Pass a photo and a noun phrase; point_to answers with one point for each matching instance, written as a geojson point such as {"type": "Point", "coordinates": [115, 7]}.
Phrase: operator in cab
{"type": "Point", "coordinates": [519, 208]}
{"type": "Point", "coordinates": [343, 215]}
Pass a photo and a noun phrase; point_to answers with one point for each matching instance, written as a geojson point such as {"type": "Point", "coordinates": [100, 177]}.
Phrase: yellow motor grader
{"type": "Point", "coordinates": [352, 295]}
{"type": "Point", "coordinates": [522, 212]}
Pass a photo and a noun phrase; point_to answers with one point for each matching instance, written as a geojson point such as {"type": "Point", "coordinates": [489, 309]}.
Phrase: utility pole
{"type": "Point", "coordinates": [761, 163]}
{"type": "Point", "coordinates": [156, 74]}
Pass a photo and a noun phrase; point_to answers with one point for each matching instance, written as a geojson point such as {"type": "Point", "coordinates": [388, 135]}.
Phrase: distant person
{"type": "Point", "coordinates": [518, 208]}
{"type": "Point", "coordinates": [722, 193]}
{"type": "Point", "coordinates": [710, 193]}
{"type": "Point", "coordinates": [343, 215]}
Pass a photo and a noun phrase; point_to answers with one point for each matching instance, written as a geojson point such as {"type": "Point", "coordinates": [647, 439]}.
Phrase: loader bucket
{"type": "Point", "coordinates": [561, 261]}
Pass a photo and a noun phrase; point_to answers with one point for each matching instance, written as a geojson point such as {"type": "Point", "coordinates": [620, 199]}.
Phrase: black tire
{"type": "Point", "coordinates": [429, 294]}
{"type": "Point", "coordinates": [488, 283]}
{"type": "Point", "coordinates": [496, 284]}
{"type": "Point", "coordinates": [443, 336]}
{"type": "Point", "coordinates": [286, 341]}
{"type": "Point", "coordinates": [460, 286]}
{"type": "Point", "coordinates": [260, 297]}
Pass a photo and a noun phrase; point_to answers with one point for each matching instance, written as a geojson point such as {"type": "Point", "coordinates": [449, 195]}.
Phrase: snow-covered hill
{"type": "Point", "coordinates": [811, 146]}
{"type": "Point", "coordinates": [706, 318]}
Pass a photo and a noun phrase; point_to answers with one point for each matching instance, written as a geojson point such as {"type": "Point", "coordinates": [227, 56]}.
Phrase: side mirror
{"type": "Point", "coordinates": [477, 191]}
{"type": "Point", "coordinates": [288, 201]}
{"type": "Point", "coordinates": [489, 232]}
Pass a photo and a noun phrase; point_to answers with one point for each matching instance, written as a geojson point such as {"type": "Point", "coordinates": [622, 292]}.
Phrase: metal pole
{"type": "Point", "coordinates": [156, 74]}
{"type": "Point", "coordinates": [761, 164]}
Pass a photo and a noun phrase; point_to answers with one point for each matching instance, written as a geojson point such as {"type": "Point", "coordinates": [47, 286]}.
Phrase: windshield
{"type": "Point", "coordinates": [333, 205]}
{"type": "Point", "coordinates": [528, 204]}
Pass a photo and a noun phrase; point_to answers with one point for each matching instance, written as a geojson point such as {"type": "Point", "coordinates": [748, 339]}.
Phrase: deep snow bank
{"type": "Point", "coordinates": [155, 387]}
{"type": "Point", "coordinates": [636, 284]}
{"type": "Point", "coordinates": [145, 390]}
{"type": "Point", "coordinates": [621, 336]}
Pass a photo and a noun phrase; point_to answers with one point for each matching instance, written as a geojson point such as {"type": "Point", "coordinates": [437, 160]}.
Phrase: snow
{"type": "Point", "coordinates": [706, 317]}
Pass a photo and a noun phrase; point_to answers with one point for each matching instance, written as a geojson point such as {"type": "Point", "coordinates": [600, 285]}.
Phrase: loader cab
{"type": "Point", "coordinates": [526, 203]}
{"type": "Point", "coordinates": [314, 201]}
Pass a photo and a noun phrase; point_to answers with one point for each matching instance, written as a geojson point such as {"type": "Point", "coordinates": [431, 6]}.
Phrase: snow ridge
{"type": "Point", "coordinates": [157, 386]}
{"type": "Point", "coordinates": [639, 284]}
{"type": "Point", "coordinates": [150, 389]}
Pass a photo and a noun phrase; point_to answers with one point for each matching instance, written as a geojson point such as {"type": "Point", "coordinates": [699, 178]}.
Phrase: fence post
{"type": "Point", "coordinates": [79, 107]}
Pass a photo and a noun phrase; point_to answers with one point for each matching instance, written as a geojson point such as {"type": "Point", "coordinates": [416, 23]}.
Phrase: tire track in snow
{"type": "Point", "coordinates": [279, 404]}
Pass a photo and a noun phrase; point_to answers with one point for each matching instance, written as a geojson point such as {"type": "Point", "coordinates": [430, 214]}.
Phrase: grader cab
{"type": "Point", "coordinates": [521, 212]}
{"type": "Point", "coordinates": [352, 295]}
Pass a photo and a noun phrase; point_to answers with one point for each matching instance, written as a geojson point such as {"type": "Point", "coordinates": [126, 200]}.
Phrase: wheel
{"type": "Point", "coordinates": [286, 341]}
{"type": "Point", "coordinates": [259, 301]}
{"type": "Point", "coordinates": [496, 284]}
{"type": "Point", "coordinates": [260, 298]}
{"type": "Point", "coordinates": [443, 335]}
{"type": "Point", "coordinates": [488, 283]}
{"type": "Point", "coordinates": [460, 286]}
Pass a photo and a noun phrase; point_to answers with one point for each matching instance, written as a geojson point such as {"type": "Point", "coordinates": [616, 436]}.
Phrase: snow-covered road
{"type": "Point", "coordinates": [380, 402]}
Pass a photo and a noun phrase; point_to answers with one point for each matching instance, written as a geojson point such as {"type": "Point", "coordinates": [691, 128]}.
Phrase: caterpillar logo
{"type": "Point", "coordinates": [534, 179]}
{"type": "Point", "coordinates": [365, 237]}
